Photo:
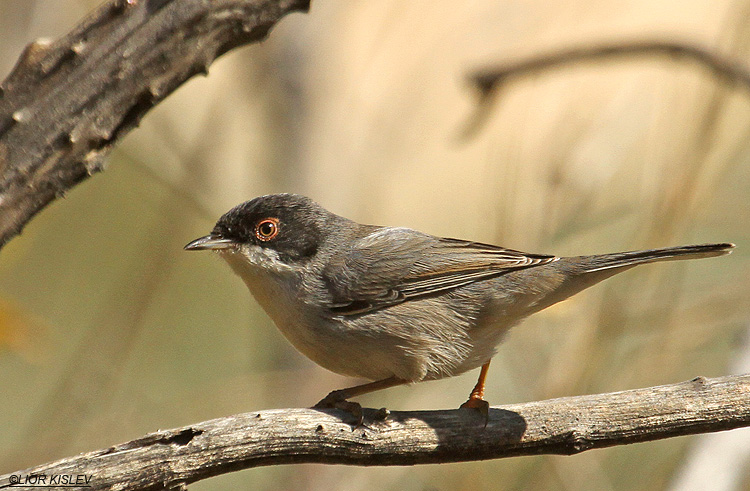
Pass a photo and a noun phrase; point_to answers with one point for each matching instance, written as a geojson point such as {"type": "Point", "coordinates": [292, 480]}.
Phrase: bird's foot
{"type": "Point", "coordinates": [335, 400]}
{"type": "Point", "coordinates": [480, 405]}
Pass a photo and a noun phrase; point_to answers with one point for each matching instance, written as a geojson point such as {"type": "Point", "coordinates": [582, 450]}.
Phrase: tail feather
{"type": "Point", "coordinates": [580, 272]}
{"type": "Point", "coordinates": [625, 259]}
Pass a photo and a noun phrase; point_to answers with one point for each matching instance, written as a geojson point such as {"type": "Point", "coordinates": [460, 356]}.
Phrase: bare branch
{"type": "Point", "coordinates": [489, 80]}
{"type": "Point", "coordinates": [66, 103]}
{"type": "Point", "coordinates": [570, 425]}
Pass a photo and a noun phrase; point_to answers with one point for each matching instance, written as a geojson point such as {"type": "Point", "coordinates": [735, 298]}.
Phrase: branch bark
{"type": "Point", "coordinates": [66, 103]}
{"type": "Point", "coordinates": [171, 458]}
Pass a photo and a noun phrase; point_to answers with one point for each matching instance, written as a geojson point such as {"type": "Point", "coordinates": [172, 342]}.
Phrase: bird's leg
{"type": "Point", "coordinates": [338, 398]}
{"type": "Point", "coordinates": [475, 398]}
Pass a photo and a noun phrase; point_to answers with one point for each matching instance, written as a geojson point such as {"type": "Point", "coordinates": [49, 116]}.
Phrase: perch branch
{"type": "Point", "coordinates": [171, 458]}
{"type": "Point", "coordinates": [67, 102]}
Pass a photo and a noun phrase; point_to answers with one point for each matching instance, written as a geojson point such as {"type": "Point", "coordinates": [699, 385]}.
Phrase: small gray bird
{"type": "Point", "coordinates": [394, 305]}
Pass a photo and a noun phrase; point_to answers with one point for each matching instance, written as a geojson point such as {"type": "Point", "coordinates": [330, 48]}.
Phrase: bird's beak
{"type": "Point", "coordinates": [209, 242]}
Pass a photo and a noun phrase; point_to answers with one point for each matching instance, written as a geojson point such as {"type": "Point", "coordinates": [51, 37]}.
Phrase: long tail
{"type": "Point", "coordinates": [624, 259]}
{"type": "Point", "coordinates": [570, 275]}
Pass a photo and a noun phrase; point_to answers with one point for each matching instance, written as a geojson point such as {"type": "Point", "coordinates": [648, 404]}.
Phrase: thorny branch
{"type": "Point", "coordinates": [66, 103]}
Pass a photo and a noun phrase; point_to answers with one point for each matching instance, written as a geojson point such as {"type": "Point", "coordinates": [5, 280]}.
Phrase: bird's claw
{"type": "Point", "coordinates": [332, 401]}
{"type": "Point", "coordinates": [479, 405]}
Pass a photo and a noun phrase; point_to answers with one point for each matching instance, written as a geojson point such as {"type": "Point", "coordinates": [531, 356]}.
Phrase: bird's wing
{"type": "Point", "coordinates": [393, 265]}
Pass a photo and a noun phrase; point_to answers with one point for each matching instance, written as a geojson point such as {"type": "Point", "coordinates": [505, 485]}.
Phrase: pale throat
{"type": "Point", "coordinates": [261, 270]}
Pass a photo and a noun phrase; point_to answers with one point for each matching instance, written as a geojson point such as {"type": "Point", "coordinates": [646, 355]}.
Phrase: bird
{"type": "Point", "coordinates": [393, 305]}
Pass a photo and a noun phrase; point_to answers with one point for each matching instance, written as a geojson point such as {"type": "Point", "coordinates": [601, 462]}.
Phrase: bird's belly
{"type": "Point", "coordinates": [327, 341]}
{"type": "Point", "coordinates": [397, 342]}
{"type": "Point", "coordinates": [417, 340]}
{"type": "Point", "coordinates": [333, 346]}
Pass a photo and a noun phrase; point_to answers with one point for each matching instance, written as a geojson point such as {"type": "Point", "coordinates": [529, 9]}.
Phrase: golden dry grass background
{"type": "Point", "coordinates": [108, 330]}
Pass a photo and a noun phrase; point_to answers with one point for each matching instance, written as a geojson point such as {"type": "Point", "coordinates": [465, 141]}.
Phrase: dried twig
{"type": "Point", "coordinates": [489, 80]}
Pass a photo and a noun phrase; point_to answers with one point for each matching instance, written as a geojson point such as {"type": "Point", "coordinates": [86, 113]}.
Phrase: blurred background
{"type": "Point", "coordinates": [108, 330]}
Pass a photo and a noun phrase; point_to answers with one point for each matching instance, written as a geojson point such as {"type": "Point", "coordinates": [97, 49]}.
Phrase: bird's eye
{"type": "Point", "coordinates": [267, 229]}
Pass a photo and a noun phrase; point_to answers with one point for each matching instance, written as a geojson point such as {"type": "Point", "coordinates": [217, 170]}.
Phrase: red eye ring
{"type": "Point", "coordinates": [267, 229]}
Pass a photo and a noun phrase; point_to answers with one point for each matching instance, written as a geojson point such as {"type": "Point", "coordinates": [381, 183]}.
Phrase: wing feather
{"type": "Point", "coordinates": [393, 265]}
